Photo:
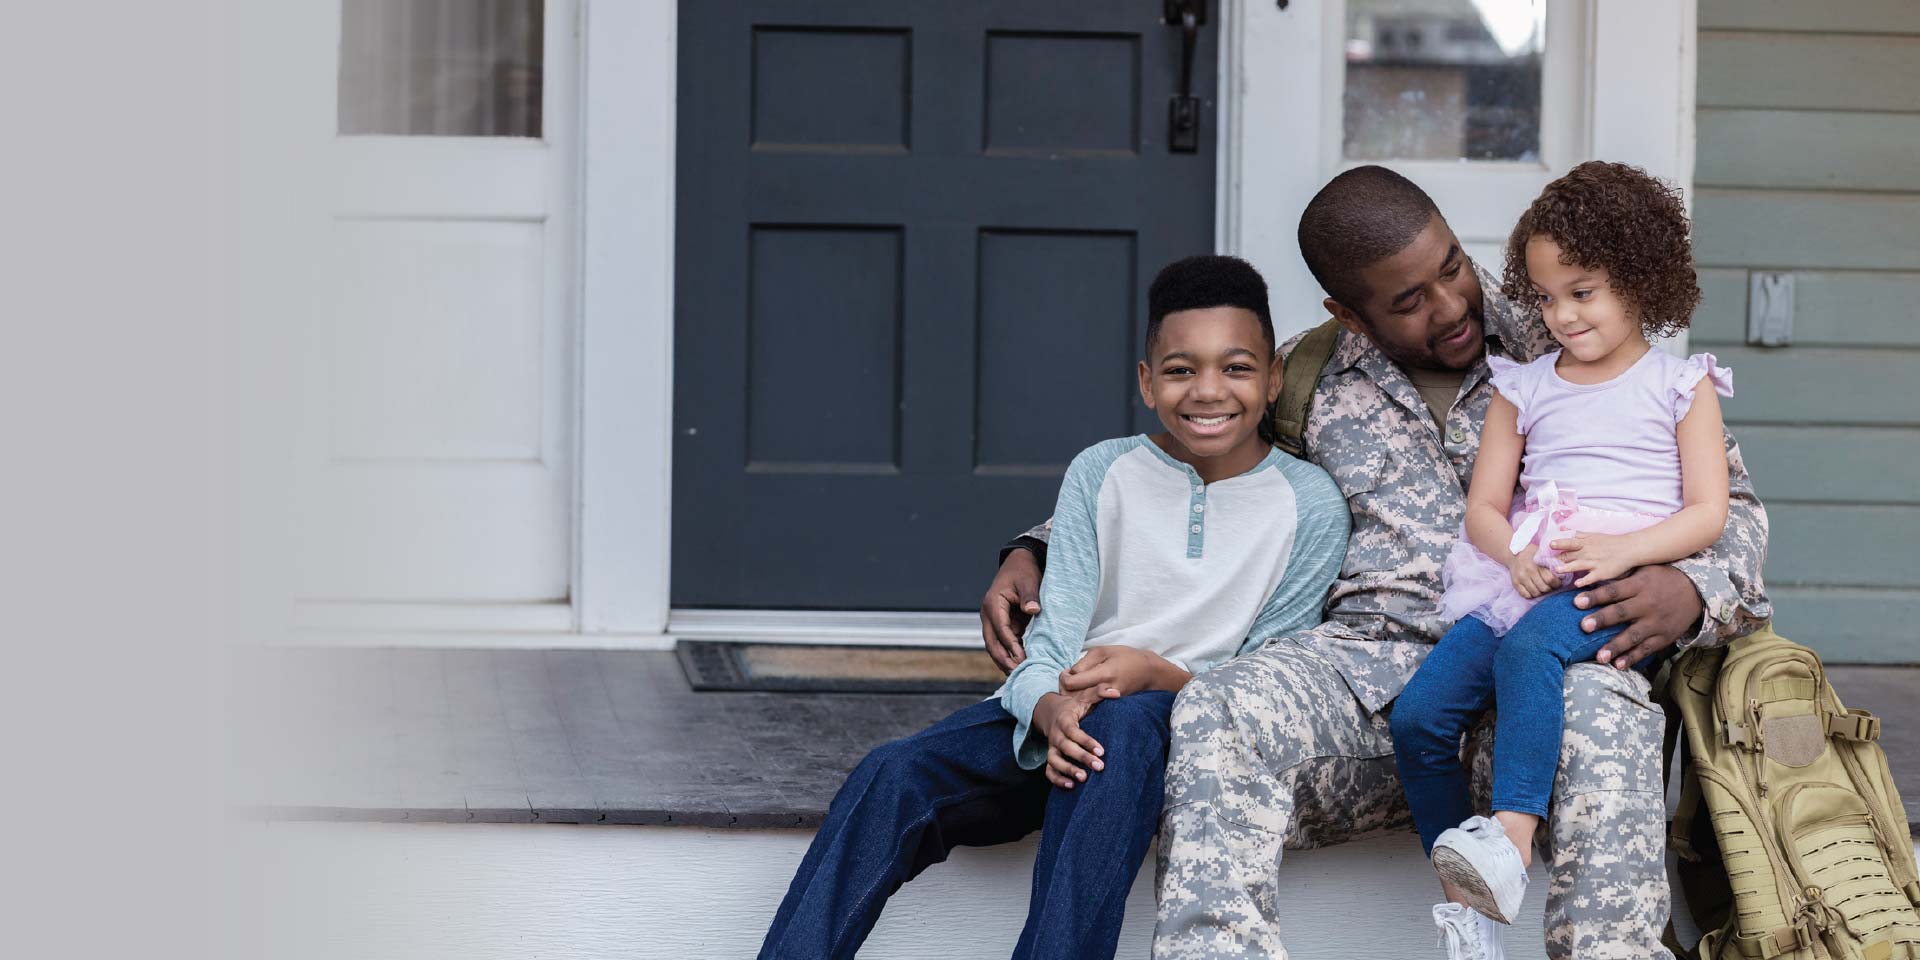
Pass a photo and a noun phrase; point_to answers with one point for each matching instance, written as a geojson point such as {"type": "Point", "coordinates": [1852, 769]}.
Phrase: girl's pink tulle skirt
{"type": "Point", "coordinates": [1478, 585]}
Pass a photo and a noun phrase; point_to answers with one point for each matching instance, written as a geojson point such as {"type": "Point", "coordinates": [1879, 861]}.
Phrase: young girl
{"type": "Point", "coordinates": [1617, 448]}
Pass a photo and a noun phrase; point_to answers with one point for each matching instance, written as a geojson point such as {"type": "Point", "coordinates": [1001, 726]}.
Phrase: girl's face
{"type": "Point", "coordinates": [1579, 305]}
{"type": "Point", "coordinates": [1210, 379]}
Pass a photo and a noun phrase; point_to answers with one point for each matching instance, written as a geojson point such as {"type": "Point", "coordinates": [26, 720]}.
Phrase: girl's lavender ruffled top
{"type": "Point", "coordinates": [1600, 458]}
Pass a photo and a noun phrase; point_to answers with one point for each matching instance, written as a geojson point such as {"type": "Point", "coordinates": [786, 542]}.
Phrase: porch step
{"type": "Point", "coordinates": [380, 891]}
{"type": "Point", "coordinates": [395, 796]}
{"type": "Point", "coordinates": [617, 737]}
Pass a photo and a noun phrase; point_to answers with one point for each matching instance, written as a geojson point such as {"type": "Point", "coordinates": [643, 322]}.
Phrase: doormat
{"type": "Point", "coordinates": [717, 665]}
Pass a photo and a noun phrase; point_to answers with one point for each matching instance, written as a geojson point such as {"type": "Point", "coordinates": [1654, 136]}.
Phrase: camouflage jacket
{"type": "Point", "coordinates": [1405, 481]}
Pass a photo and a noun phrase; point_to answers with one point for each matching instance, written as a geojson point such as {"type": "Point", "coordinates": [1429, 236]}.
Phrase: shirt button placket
{"type": "Point", "coordinates": [1196, 530]}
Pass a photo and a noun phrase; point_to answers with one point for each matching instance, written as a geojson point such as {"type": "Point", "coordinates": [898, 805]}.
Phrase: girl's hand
{"type": "Point", "coordinates": [1069, 748]}
{"type": "Point", "coordinates": [1530, 578]}
{"type": "Point", "coordinates": [1600, 556]}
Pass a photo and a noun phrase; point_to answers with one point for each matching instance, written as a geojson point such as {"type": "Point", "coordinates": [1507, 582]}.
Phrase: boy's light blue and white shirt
{"type": "Point", "coordinates": [1144, 554]}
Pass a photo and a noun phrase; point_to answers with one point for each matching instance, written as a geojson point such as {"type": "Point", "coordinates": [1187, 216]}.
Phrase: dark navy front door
{"type": "Point", "coordinates": [914, 244]}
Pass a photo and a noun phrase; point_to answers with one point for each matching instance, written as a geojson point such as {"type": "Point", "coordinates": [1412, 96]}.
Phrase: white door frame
{"type": "Point", "coordinates": [629, 53]}
{"type": "Point", "coordinates": [1639, 109]}
{"type": "Point", "coordinates": [624, 506]}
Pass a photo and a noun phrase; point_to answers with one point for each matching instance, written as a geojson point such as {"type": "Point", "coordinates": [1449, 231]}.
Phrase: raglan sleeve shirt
{"type": "Point", "coordinates": [1319, 550]}
{"type": "Point", "coordinates": [1067, 596]}
{"type": "Point", "coordinates": [1196, 598]}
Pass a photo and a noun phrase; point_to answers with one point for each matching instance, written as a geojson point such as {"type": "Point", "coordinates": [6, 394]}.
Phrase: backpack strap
{"type": "Point", "coordinates": [1296, 393]}
{"type": "Point", "coordinates": [1680, 829]}
{"type": "Point", "coordinates": [1673, 751]}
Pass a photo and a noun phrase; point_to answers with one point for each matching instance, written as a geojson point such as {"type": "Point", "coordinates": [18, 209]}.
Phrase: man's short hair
{"type": "Point", "coordinates": [1197, 283]}
{"type": "Point", "coordinates": [1358, 219]}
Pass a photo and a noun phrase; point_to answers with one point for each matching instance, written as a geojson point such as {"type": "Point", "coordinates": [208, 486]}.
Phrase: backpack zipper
{"type": "Point", "coordinates": [1813, 892]}
{"type": "Point", "coordinates": [1896, 857]}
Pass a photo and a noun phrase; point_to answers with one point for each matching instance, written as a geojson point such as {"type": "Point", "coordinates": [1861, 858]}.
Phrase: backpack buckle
{"type": "Point", "coordinates": [1856, 725]}
{"type": "Point", "coordinates": [1741, 735]}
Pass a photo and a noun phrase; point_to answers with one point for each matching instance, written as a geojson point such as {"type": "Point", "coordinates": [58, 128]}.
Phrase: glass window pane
{"type": "Point", "coordinates": [1444, 79]}
{"type": "Point", "coordinates": [464, 68]}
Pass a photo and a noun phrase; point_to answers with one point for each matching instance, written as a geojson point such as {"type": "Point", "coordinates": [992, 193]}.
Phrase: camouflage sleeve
{"type": "Point", "coordinates": [1733, 600]}
{"type": "Point", "coordinates": [1034, 541]}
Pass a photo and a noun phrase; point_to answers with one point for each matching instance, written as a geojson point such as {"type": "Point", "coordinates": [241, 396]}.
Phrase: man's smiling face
{"type": "Point", "coordinates": [1423, 306]}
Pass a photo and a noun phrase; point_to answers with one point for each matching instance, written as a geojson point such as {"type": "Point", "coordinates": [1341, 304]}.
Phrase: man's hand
{"type": "Point", "coordinates": [1600, 556]}
{"type": "Point", "coordinates": [1011, 601]}
{"type": "Point", "coordinates": [1069, 748]}
{"type": "Point", "coordinates": [1658, 604]}
{"type": "Point", "coordinates": [1116, 671]}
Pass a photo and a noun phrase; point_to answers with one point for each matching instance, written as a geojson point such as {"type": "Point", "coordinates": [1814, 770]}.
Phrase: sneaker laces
{"type": "Point", "coordinates": [1460, 934]}
{"type": "Point", "coordinates": [1457, 937]}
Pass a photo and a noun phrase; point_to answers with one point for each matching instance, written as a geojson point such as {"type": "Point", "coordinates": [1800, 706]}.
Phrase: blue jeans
{"type": "Point", "coordinates": [956, 783]}
{"type": "Point", "coordinates": [1470, 670]}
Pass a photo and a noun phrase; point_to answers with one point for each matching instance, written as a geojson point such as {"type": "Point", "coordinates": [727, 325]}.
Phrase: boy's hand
{"type": "Point", "coordinates": [1116, 671]}
{"type": "Point", "coordinates": [1069, 748]}
{"type": "Point", "coordinates": [1600, 556]}
{"type": "Point", "coordinates": [1530, 578]}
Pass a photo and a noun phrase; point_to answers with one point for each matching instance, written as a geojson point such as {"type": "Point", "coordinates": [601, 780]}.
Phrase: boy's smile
{"type": "Point", "coordinates": [1210, 377]}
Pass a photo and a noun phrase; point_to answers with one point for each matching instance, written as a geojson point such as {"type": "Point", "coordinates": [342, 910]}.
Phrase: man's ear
{"type": "Point", "coordinates": [1347, 317]}
{"type": "Point", "coordinates": [1146, 384]}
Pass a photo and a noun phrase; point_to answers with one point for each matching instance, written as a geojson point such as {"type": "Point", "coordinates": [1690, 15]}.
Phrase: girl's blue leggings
{"type": "Point", "coordinates": [1468, 671]}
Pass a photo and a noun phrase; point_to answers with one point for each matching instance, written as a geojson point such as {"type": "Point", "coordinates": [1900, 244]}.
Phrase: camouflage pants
{"type": "Point", "coordinates": [1272, 751]}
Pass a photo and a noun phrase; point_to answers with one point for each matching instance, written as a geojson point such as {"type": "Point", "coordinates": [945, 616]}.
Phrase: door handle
{"type": "Point", "coordinates": [1183, 111]}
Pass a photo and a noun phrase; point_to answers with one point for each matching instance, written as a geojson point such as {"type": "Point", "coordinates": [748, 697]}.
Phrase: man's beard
{"type": "Point", "coordinates": [1429, 357]}
{"type": "Point", "coordinates": [1472, 317]}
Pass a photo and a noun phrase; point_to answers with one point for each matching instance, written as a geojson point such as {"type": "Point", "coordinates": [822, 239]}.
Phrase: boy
{"type": "Point", "coordinates": [1170, 553]}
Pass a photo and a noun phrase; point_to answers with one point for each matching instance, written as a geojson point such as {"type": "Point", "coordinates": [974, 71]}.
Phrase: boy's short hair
{"type": "Point", "coordinates": [1620, 219]}
{"type": "Point", "coordinates": [1197, 283]}
{"type": "Point", "coordinates": [1360, 218]}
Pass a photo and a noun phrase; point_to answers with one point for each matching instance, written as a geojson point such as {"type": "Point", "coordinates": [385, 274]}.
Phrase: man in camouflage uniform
{"type": "Point", "coordinates": [1288, 747]}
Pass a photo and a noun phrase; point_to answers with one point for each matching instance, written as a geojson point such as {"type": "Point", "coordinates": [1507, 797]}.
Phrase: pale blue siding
{"type": "Point", "coordinates": [1809, 161]}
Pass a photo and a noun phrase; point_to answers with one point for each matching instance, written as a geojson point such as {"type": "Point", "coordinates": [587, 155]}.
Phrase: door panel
{"type": "Point", "coordinates": [437, 460]}
{"type": "Point", "coordinates": [914, 243]}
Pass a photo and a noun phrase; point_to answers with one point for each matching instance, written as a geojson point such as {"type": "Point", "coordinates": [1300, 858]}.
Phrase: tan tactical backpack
{"type": "Point", "coordinates": [1791, 836]}
{"type": "Point", "coordinates": [1287, 417]}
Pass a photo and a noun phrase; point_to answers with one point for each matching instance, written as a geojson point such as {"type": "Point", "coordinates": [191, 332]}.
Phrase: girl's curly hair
{"type": "Point", "coordinates": [1620, 219]}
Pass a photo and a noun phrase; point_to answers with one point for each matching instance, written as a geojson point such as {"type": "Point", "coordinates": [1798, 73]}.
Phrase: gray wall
{"type": "Point", "coordinates": [1809, 161]}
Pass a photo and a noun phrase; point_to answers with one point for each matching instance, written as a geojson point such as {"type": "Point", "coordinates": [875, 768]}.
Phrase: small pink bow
{"type": "Point", "coordinates": [1548, 505]}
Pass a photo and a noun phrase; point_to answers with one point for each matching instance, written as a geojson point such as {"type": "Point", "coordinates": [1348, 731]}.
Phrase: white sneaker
{"type": "Point", "coordinates": [1479, 861]}
{"type": "Point", "coordinates": [1466, 934]}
